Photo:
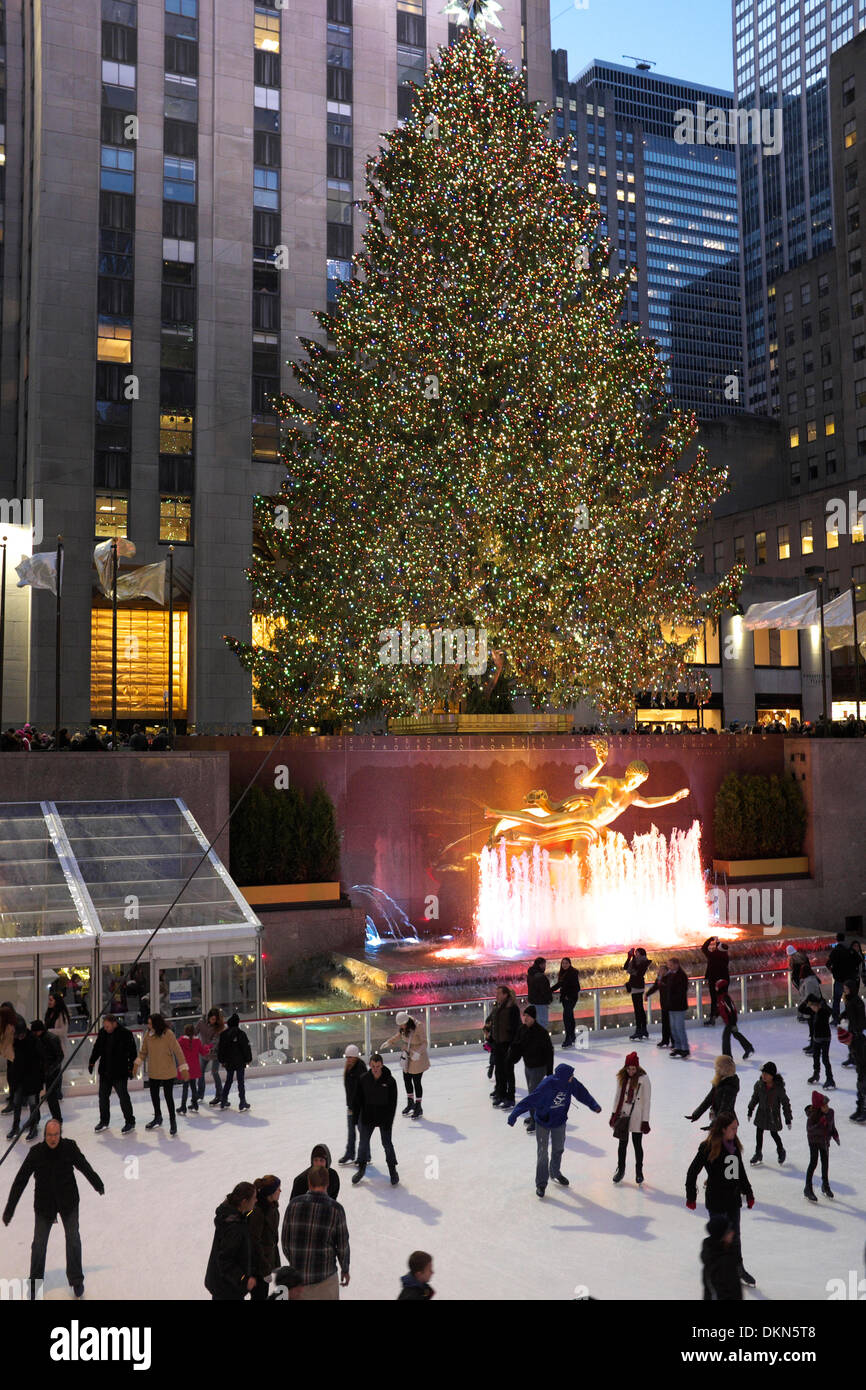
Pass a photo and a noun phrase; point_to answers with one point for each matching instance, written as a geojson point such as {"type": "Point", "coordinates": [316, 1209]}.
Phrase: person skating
{"type": "Point", "coordinates": [535, 1045]}
{"type": "Point", "coordinates": [10, 1023]}
{"type": "Point", "coordinates": [820, 1130]}
{"type": "Point", "coordinates": [728, 1015]}
{"type": "Point", "coordinates": [661, 987]}
{"type": "Point", "coordinates": [810, 988]}
{"type": "Point", "coordinates": [538, 990]}
{"type": "Point", "coordinates": [769, 1103]}
{"type": "Point", "coordinates": [721, 1098]}
{"type": "Point", "coordinates": [235, 1054]}
{"type": "Point", "coordinates": [57, 1022]}
{"type": "Point", "coordinates": [678, 1003]}
{"type": "Point", "coordinates": [165, 1062]}
{"type": "Point", "coordinates": [314, 1236]}
{"type": "Point", "coordinates": [821, 1037]}
{"type": "Point", "coordinates": [550, 1102]}
{"type": "Point", "coordinates": [29, 1080]}
{"type": "Point", "coordinates": [375, 1108]}
{"type": "Point", "coordinates": [567, 986]}
{"type": "Point", "coordinates": [856, 1044]}
{"type": "Point", "coordinates": [719, 1263]}
{"type": "Point", "coordinates": [630, 1114]}
{"type": "Point", "coordinates": [853, 1012]}
{"type": "Point", "coordinates": [353, 1070]}
{"type": "Point", "coordinates": [229, 1276]}
{"type": "Point", "coordinates": [52, 1164]}
{"type": "Point", "coordinates": [319, 1158]}
{"type": "Point", "coordinates": [503, 1021]}
{"type": "Point", "coordinates": [721, 1156]}
{"type": "Point", "coordinates": [51, 1056]}
{"type": "Point", "coordinates": [194, 1050]}
{"type": "Point", "coordinates": [842, 964]}
{"type": "Point", "coordinates": [264, 1231]}
{"type": "Point", "coordinates": [636, 965]}
{"type": "Point", "coordinates": [208, 1030]}
{"type": "Point", "coordinates": [715, 952]}
{"type": "Point", "coordinates": [416, 1287]}
{"type": "Point", "coordinates": [414, 1060]}
{"type": "Point", "coordinates": [115, 1052]}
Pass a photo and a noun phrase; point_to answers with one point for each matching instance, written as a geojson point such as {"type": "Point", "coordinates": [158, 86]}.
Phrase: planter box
{"type": "Point", "coordinates": [275, 894]}
{"type": "Point", "coordinates": [763, 868]}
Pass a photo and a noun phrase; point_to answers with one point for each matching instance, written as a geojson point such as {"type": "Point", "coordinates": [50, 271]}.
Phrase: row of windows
{"type": "Point", "coordinates": [808, 536]}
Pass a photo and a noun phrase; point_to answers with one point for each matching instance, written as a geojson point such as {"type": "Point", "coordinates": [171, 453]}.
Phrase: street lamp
{"type": "Point", "coordinates": [817, 572]}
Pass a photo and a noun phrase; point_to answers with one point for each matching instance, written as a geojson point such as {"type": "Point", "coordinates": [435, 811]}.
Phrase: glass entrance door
{"type": "Point", "coordinates": [180, 997]}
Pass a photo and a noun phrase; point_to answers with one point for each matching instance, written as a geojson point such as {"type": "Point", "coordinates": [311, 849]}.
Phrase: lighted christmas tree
{"type": "Point", "coordinates": [482, 444]}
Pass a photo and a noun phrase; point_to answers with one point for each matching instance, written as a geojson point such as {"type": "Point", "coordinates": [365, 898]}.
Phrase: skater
{"type": "Point", "coordinates": [636, 965]}
{"type": "Point", "coordinates": [721, 1154]}
{"type": "Point", "coordinates": [719, 1264]}
{"type": "Point", "coordinates": [797, 961]}
{"type": "Point", "coordinates": [208, 1030]}
{"type": "Point", "coordinates": [504, 1021]}
{"type": "Point", "coordinates": [229, 1276]}
{"type": "Point", "coordinates": [728, 1015]}
{"type": "Point", "coordinates": [630, 1115]}
{"type": "Point", "coordinates": [193, 1050]}
{"type": "Point", "coordinates": [52, 1164]}
{"type": "Point", "coordinates": [854, 1013]}
{"type": "Point", "coordinates": [57, 1022]}
{"type": "Point", "coordinates": [856, 1042]}
{"type": "Point", "coordinates": [115, 1052]}
{"type": "Point", "coordinates": [678, 1003]}
{"type": "Point", "coordinates": [550, 1102]}
{"type": "Point", "coordinates": [721, 1098]}
{"type": "Point", "coordinates": [413, 1060]}
{"type": "Point", "coordinates": [842, 964]}
{"type": "Point", "coordinates": [10, 1022]}
{"type": "Point", "coordinates": [264, 1229]}
{"type": "Point", "coordinates": [416, 1284]}
{"type": "Point", "coordinates": [235, 1054]}
{"type": "Point", "coordinates": [768, 1103]}
{"type": "Point", "coordinates": [821, 1037]}
{"type": "Point", "coordinates": [538, 990]}
{"type": "Point", "coordinates": [661, 987]}
{"type": "Point", "coordinates": [50, 1050]}
{"type": "Point", "coordinates": [810, 988]}
{"type": "Point", "coordinates": [718, 968]}
{"type": "Point", "coordinates": [319, 1158]}
{"type": "Point", "coordinates": [820, 1129]}
{"type": "Point", "coordinates": [568, 987]}
{"type": "Point", "coordinates": [29, 1080]}
{"type": "Point", "coordinates": [534, 1044]}
{"type": "Point", "coordinates": [353, 1070]}
{"type": "Point", "coordinates": [314, 1235]}
{"type": "Point", "coordinates": [165, 1062]}
{"type": "Point", "coordinates": [375, 1108]}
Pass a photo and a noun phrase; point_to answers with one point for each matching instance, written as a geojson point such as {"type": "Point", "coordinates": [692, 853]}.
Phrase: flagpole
{"type": "Point", "coordinates": [856, 648]}
{"type": "Point", "coordinates": [823, 652]}
{"type": "Point", "coordinates": [171, 646]}
{"type": "Point", "coordinates": [114, 645]}
{"type": "Point", "coordinates": [58, 631]}
{"type": "Point", "coordinates": [2, 623]}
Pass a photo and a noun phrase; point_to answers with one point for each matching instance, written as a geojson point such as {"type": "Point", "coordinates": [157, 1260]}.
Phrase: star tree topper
{"type": "Point", "coordinates": [476, 13]}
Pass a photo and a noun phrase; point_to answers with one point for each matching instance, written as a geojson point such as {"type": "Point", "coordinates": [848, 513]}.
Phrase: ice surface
{"type": "Point", "coordinates": [467, 1191]}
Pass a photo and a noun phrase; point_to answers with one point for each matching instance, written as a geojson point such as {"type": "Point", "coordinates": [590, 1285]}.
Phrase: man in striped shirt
{"type": "Point", "coordinates": [315, 1238]}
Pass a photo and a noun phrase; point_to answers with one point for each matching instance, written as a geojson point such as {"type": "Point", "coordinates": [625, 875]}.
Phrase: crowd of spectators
{"type": "Point", "coordinates": [29, 739]}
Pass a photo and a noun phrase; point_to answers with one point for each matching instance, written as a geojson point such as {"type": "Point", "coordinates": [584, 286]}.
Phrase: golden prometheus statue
{"type": "Point", "coordinates": [579, 821]}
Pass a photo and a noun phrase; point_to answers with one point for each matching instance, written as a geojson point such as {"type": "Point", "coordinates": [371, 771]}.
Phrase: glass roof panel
{"type": "Point", "coordinates": [36, 895]}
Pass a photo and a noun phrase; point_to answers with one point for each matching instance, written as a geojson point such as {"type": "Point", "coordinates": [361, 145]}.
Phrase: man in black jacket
{"type": "Point", "coordinates": [375, 1108]}
{"type": "Point", "coordinates": [235, 1054]}
{"type": "Point", "coordinates": [50, 1050]}
{"type": "Point", "coordinates": [29, 1080]}
{"type": "Point", "coordinates": [568, 987]}
{"type": "Point", "coordinates": [678, 1003]}
{"type": "Point", "coordinates": [115, 1051]}
{"type": "Point", "coordinates": [538, 990]}
{"type": "Point", "coordinates": [842, 964]}
{"type": "Point", "coordinates": [503, 1022]}
{"type": "Point", "coordinates": [534, 1044]}
{"type": "Point", "coordinates": [52, 1163]}
{"type": "Point", "coordinates": [718, 968]}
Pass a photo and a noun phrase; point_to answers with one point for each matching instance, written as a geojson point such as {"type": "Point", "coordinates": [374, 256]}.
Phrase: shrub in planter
{"type": "Point", "coordinates": [280, 837]}
{"type": "Point", "coordinates": [323, 840]}
{"type": "Point", "coordinates": [759, 817]}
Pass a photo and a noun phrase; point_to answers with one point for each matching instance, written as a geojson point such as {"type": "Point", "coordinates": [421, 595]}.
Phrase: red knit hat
{"type": "Point", "coordinates": [632, 1060]}
{"type": "Point", "coordinates": [818, 1100]}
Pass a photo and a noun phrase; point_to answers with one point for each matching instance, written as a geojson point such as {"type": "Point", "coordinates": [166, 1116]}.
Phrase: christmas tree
{"type": "Point", "coordinates": [481, 444]}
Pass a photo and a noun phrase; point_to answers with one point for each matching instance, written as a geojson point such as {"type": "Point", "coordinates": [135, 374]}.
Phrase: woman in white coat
{"type": "Point", "coordinates": [414, 1060]}
{"type": "Point", "coordinates": [630, 1115]}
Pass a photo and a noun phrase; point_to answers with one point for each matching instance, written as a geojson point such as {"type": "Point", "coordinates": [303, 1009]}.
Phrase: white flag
{"type": "Point", "coordinates": [39, 571]}
{"type": "Point", "coordinates": [148, 581]}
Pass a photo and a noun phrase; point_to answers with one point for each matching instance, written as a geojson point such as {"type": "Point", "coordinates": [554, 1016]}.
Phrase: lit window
{"type": "Point", "coordinates": [807, 542]}
{"type": "Point", "coordinates": [760, 547]}
{"type": "Point", "coordinates": [849, 131]}
{"type": "Point", "coordinates": [829, 424]}
{"type": "Point", "coordinates": [267, 32]}
{"type": "Point", "coordinates": [142, 661]}
{"type": "Point", "coordinates": [175, 519]}
{"type": "Point", "coordinates": [775, 647]}
{"type": "Point", "coordinates": [857, 528]}
{"type": "Point", "coordinates": [114, 342]}
{"type": "Point", "coordinates": [794, 437]}
{"type": "Point", "coordinates": [832, 533]}
{"type": "Point", "coordinates": [811, 431]}
{"type": "Point", "coordinates": [175, 434]}
{"type": "Point", "coordinates": [111, 514]}
{"type": "Point", "coordinates": [783, 542]}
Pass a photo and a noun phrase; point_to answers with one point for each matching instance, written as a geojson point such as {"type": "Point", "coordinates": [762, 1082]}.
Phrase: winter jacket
{"type": "Point", "coordinates": [552, 1097]}
{"type": "Point", "coordinates": [51, 1054]}
{"type": "Point", "coordinates": [414, 1292]}
{"type": "Point", "coordinates": [678, 990]}
{"type": "Point", "coordinates": [538, 988]}
{"type": "Point", "coordinates": [264, 1234]}
{"type": "Point", "coordinates": [718, 964]}
{"type": "Point", "coordinates": [636, 968]}
{"type": "Point", "coordinates": [567, 984]}
{"type": "Point", "coordinates": [233, 1049]}
{"type": "Point", "coordinates": [230, 1263]}
{"type": "Point", "coordinates": [534, 1045]}
{"type": "Point", "coordinates": [54, 1172]}
{"type": "Point", "coordinates": [727, 1011]}
{"type": "Point", "coordinates": [300, 1184]}
{"type": "Point", "coordinates": [351, 1078]}
{"type": "Point", "coordinates": [193, 1050]}
{"type": "Point", "coordinates": [810, 986]}
{"type": "Point", "coordinates": [29, 1069]}
{"type": "Point", "coordinates": [164, 1057]}
{"type": "Point", "coordinates": [413, 1058]}
{"type": "Point", "coordinates": [855, 1013]}
{"type": "Point", "coordinates": [798, 960]}
{"type": "Point", "coordinates": [115, 1052]}
{"type": "Point", "coordinates": [57, 1022]}
{"type": "Point", "coordinates": [769, 1103]}
{"type": "Point", "coordinates": [639, 1113]}
{"type": "Point", "coordinates": [208, 1032]}
{"type": "Point", "coordinates": [503, 1021]}
{"type": "Point", "coordinates": [661, 986]}
{"type": "Point", "coordinates": [842, 962]}
{"type": "Point", "coordinates": [720, 1268]}
{"type": "Point", "coordinates": [721, 1099]}
{"type": "Point", "coordinates": [821, 1128]}
{"type": "Point", "coordinates": [727, 1183]}
{"type": "Point", "coordinates": [376, 1101]}
{"type": "Point", "coordinates": [821, 1023]}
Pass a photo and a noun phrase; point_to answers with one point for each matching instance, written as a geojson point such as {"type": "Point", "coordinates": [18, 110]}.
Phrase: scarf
{"type": "Point", "coordinates": [629, 1084]}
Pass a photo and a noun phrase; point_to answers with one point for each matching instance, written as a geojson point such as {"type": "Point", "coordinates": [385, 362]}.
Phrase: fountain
{"type": "Point", "coordinates": [398, 930]}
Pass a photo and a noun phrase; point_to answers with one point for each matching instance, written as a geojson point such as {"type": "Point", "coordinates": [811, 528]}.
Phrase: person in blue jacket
{"type": "Point", "coordinates": [550, 1101]}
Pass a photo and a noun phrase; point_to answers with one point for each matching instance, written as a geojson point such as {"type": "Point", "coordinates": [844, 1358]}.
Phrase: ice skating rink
{"type": "Point", "coordinates": [467, 1191]}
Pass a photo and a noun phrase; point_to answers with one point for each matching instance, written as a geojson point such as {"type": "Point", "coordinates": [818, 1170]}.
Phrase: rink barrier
{"type": "Point", "coordinates": [305, 1039]}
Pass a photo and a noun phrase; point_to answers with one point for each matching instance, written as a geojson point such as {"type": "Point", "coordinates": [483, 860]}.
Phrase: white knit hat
{"type": "Point", "coordinates": [352, 1051]}
{"type": "Point", "coordinates": [402, 1018]}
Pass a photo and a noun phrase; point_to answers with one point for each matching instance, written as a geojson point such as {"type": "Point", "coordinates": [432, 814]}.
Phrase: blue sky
{"type": "Point", "coordinates": [686, 38]}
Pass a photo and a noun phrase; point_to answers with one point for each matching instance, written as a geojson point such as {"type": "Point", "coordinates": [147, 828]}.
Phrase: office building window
{"type": "Point", "coordinates": [111, 514]}
{"type": "Point", "coordinates": [832, 584]}
{"type": "Point", "coordinates": [795, 472]}
{"type": "Point", "coordinates": [823, 320]}
{"type": "Point", "coordinates": [783, 542]}
{"type": "Point", "coordinates": [117, 170]}
{"type": "Point", "coordinates": [809, 397]}
{"type": "Point", "coordinates": [813, 467]}
{"type": "Point", "coordinates": [794, 438]}
{"type": "Point", "coordinates": [718, 556]}
{"type": "Point", "coordinates": [739, 550]}
{"type": "Point", "coordinates": [854, 219]}
{"type": "Point", "coordinates": [114, 340]}
{"type": "Point", "coordinates": [267, 31]}
{"type": "Point", "coordinates": [774, 647]}
{"type": "Point", "coordinates": [858, 347]}
{"type": "Point", "coordinates": [823, 286]}
{"type": "Point", "coordinates": [806, 538]}
{"type": "Point", "coordinates": [175, 519]}
{"type": "Point", "coordinates": [266, 184]}
{"type": "Point", "coordinates": [848, 91]}
{"type": "Point", "coordinates": [855, 261]}
{"type": "Point", "coordinates": [856, 528]}
{"type": "Point", "coordinates": [826, 355]}
{"type": "Point", "coordinates": [760, 547]}
{"type": "Point", "coordinates": [832, 532]}
{"type": "Point", "coordinates": [175, 433]}
{"type": "Point", "coordinates": [788, 302]}
{"type": "Point", "coordinates": [808, 363]}
{"type": "Point", "coordinates": [805, 293]}
{"type": "Point", "coordinates": [827, 388]}
{"type": "Point", "coordinates": [830, 462]}
{"type": "Point", "coordinates": [857, 304]}
{"type": "Point", "coordinates": [829, 424]}
{"type": "Point", "coordinates": [850, 176]}
{"type": "Point", "coordinates": [849, 134]}
{"type": "Point", "coordinates": [793, 402]}
{"type": "Point", "coordinates": [178, 179]}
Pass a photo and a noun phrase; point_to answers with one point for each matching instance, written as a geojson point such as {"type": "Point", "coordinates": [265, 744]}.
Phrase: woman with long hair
{"type": "Point", "coordinates": [567, 986]}
{"type": "Point", "coordinates": [630, 1114]}
{"type": "Point", "coordinates": [7, 1047]}
{"type": "Point", "coordinates": [414, 1060]}
{"type": "Point", "coordinates": [721, 1098]}
{"type": "Point", "coordinates": [208, 1030]}
{"type": "Point", "coordinates": [161, 1049]}
{"type": "Point", "coordinates": [727, 1182]}
{"type": "Point", "coordinates": [264, 1234]}
{"type": "Point", "coordinates": [229, 1274]}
